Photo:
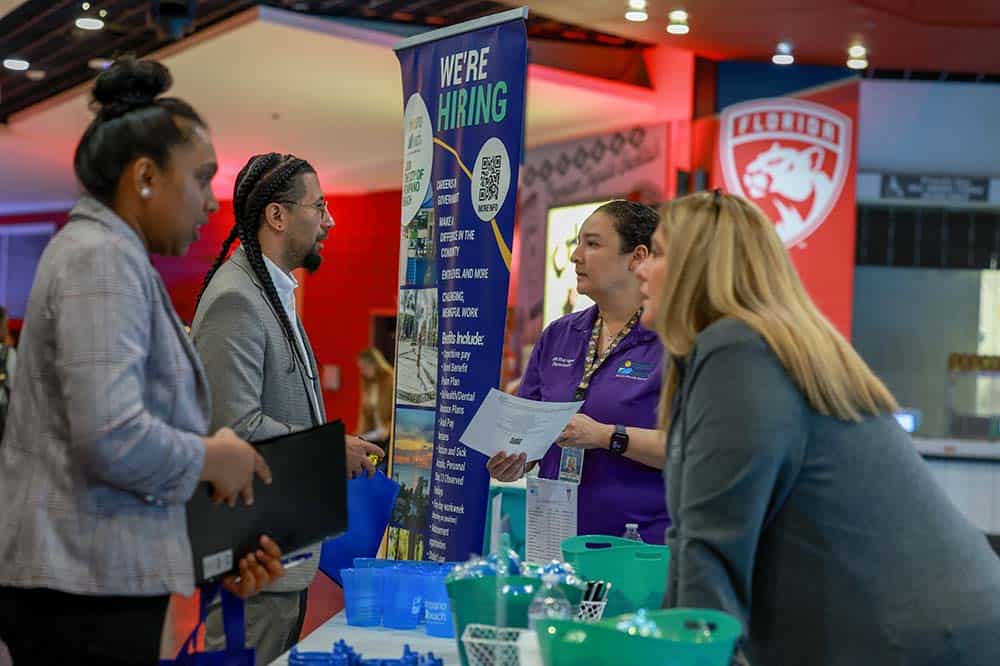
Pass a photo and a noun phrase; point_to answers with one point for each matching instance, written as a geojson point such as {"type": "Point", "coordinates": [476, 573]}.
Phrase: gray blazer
{"type": "Point", "coordinates": [259, 389]}
{"type": "Point", "coordinates": [830, 540]}
{"type": "Point", "coordinates": [103, 444]}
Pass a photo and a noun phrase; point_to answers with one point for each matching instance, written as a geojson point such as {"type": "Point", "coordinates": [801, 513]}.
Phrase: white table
{"type": "Point", "coordinates": [375, 642]}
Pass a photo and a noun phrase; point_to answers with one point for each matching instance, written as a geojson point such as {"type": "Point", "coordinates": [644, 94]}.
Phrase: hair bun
{"type": "Point", "coordinates": [129, 84]}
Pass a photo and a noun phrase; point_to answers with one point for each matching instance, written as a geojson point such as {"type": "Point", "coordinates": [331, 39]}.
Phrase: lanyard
{"type": "Point", "coordinates": [593, 363]}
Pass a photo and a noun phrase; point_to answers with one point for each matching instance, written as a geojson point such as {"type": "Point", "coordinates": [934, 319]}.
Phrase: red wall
{"type": "Point", "coordinates": [359, 277]}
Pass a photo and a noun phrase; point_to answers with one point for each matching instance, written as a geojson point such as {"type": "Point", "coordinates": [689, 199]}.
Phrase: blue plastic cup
{"type": "Point", "coordinates": [437, 609]}
{"type": "Point", "coordinates": [403, 597]}
{"type": "Point", "coordinates": [363, 596]}
{"type": "Point", "coordinates": [373, 563]}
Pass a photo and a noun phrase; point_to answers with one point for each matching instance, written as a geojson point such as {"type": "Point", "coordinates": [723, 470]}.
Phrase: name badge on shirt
{"type": "Point", "coordinates": [571, 465]}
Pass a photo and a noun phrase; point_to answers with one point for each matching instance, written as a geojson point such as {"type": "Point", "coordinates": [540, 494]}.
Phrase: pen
{"type": "Point", "coordinates": [295, 560]}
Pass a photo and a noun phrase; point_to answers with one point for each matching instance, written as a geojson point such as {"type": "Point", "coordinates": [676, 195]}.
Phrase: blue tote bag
{"type": "Point", "coordinates": [369, 507]}
{"type": "Point", "coordinates": [236, 652]}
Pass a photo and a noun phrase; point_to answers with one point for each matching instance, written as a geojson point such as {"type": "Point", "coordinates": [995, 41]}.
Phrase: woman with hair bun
{"type": "Point", "coordinates": [107, 433]}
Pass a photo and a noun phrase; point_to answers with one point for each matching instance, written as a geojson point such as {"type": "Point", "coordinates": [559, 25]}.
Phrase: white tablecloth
{"type": "Point", "coordinates": [375, 642]}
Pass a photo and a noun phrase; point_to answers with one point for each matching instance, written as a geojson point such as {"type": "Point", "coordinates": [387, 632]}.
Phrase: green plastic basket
{"type": "Point", "coordinates": [473, 601]}
{"type": "Point", "coordinates": [637, 571]}
{"type": "Point", "coordinates": [690, 637]}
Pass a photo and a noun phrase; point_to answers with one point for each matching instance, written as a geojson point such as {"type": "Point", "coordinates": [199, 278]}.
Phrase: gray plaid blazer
{"type": "Point", "coordinates": [259, 389]}
{"type": "Point", "coordinates": [103, 444]}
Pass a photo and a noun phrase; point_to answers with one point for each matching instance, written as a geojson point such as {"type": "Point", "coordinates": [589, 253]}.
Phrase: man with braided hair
{"type": "Point", "coordinates": [257, 355]}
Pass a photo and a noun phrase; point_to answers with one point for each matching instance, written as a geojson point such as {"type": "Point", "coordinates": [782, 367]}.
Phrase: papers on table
{"type": "Point", "coordinates": [517, 425]}
{"type": "Point", "coordinates": [550, 518]}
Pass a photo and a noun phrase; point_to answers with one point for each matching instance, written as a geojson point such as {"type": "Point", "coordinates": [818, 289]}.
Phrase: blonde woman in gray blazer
{"type": "Point", "coordinates": [106, 434]}
{"type": "Point", "coordinates": [257, 355]}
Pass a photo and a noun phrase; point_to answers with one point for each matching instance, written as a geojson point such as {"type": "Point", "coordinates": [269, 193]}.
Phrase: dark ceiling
{"type": "Point", "coordinates": [43, 32]}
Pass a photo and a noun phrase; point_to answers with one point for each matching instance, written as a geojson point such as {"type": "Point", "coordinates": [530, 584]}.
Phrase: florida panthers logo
{"type": "Point", "coordinates": [790, 157]}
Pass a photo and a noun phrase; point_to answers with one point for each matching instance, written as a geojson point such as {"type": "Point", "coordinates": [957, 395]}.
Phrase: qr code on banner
{"type": "Point", "coordinates": [489, 179]}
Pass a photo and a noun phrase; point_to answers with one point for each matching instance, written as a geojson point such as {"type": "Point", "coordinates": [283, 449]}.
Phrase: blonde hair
{"type": "Point", "coordinates": [377, 359]}
{"type": "Point", "coordinates": [724, 259]}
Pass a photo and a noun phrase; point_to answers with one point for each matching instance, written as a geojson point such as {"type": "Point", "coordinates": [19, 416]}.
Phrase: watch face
{"type": "Point", "coordinates": [619, 443]}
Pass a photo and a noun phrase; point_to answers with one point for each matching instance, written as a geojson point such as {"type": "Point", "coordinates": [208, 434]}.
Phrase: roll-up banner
{"type": "Point", "coordinates": [464, 103]}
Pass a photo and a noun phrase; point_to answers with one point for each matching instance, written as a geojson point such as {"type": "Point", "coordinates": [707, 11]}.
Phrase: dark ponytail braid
{"type": "Point", "coordinates": [264, 179]}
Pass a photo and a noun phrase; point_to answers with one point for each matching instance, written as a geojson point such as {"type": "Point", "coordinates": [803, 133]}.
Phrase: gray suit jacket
{"type": "Point", "coordinates": [830, 540]}
{"type": "Point", "coordinates": [259, 388]}
{"type": "Point", "coordinates": [103, 444]}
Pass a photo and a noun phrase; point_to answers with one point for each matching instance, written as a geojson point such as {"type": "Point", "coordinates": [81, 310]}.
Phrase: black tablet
{"type": "Point", "coordinates": [305, 504]}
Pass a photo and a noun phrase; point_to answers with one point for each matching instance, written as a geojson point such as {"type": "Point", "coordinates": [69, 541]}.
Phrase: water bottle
{"type": "Point", "coordinates": [549, 603]}
{"type": "Point", "coordinates": [632, 532]}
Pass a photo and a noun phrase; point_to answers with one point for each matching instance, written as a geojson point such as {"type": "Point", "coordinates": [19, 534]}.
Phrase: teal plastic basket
{"type": "Point", "coordinates": [690, 637]}
{"type": "Point", "coordinates": [637, 571]}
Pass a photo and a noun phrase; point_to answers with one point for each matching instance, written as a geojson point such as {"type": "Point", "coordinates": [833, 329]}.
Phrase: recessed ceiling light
{"type": "Point", "coordinates": [783, 54]}
{"type": "Point", "coordinates": [857, 63]}
{"type": "Point", "coordinates": [638, 5]}
{"type": "Point", "coordinates": [857, 51]}
{"type": "Point", "coordinates": [89, 23]}
{"type": "Point", "coordinates": [85, 6]}
{"type": "Point", "coordinates": [35, 74]}
{"type": "Point", "coordinates": [102, 13]}
{"type": "Point", "coordinates": [678, 22]}
{"type": "Point", "coordinates": [99, 63]}
{"type": "Point", "coordinates": [16, 64]}
{"type": "Point", "coordinates": [636, 16]}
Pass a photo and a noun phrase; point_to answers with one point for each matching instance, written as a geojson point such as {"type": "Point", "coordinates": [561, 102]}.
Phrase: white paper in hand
{"type": "Point", "coordinates": [517, 425]}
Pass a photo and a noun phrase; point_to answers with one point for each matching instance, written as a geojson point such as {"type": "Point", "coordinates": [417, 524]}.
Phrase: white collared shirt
{"type": "Point", "coordinates": [285, 284]}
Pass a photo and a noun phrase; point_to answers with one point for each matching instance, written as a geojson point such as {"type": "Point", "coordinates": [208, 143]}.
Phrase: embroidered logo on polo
{"type": "Point", "coordinates": [562, 362]}
{"type": "Point", "coordinates": [635, 370]}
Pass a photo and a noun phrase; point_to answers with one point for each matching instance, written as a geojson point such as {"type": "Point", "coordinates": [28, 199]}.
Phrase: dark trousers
{"type": "Point", "coordinates": [43, 627]}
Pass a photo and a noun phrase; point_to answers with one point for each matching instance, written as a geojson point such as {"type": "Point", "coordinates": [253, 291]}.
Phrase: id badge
{"type": "Point", "coordinates": [571, 465]}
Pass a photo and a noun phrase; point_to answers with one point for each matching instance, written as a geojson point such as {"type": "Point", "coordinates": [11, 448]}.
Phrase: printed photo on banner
{"type": "Point", "coordinates": [417, 348]}
{"type": "Point", "coordinates": [419, 268]}
{"type": "Point", "coordinates": [413, 452]}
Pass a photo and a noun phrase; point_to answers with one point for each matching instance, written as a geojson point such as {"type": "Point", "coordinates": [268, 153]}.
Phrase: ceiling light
{"type": "Point", "coordinates": [35, 74]}
{"type": "Point", "coordinates": [102, 13]}
{"type": "Point", "coordinates": [857, 51]}
{"type": "Point", "coordinates": [99, 63]}
{"type": "Point", "coordinates": [89, 23]}
{"type": "Point", "coordinates": [16, 64]}
{"type": "Point", "coordinates": [636, 15]}
{"type": "Point", "coordinates": [857, 63]}
{"type": "Point", "coordinates": [86, 6]}
{"type": "Point", "coordinates": [783, 54]}
{"type": "Point", "coordinates": [678, 22]}
{"type": "Point", "coordinates": [638, 5]}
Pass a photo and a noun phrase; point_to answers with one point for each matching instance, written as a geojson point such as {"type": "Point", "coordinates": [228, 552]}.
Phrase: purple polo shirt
{"type": "Point", "coordinates": [614, 490]}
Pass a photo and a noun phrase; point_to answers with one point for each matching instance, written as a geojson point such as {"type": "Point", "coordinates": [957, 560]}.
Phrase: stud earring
{"type": "Point", "coordinates": [145, 192]}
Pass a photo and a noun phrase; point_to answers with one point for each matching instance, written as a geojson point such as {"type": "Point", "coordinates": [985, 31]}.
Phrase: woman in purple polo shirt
{"type": "Point", "coordinates": [606, 358]}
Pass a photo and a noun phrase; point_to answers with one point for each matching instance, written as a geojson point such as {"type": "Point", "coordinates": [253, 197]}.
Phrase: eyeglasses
{"type": "Point", "coordinates": [321, 207]}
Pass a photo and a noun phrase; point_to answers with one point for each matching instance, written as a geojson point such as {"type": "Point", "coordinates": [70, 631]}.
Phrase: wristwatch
{"type": "Point", "coordinates": [619, 441]}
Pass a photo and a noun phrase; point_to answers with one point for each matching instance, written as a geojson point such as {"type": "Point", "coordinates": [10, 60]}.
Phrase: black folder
{"type": "Point", "coordinates": [305, 504]}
